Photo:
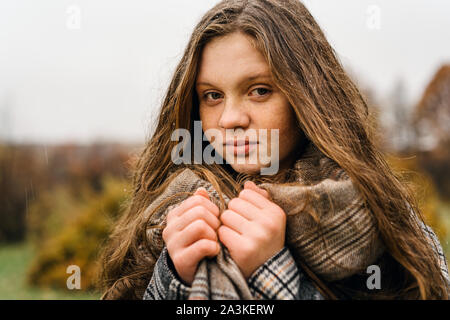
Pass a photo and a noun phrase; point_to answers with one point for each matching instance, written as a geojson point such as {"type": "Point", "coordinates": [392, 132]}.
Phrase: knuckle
{"type": "Point", "coordinates": [260, 236]}
{"type": "Point", "coordinates": [193, 214]}
{"type": "Point", "coordinates": [199, 200]}
{"type": "Point", "coordinates": [232, 203]}
{"type": "Point", "coordinates": [214, 224]}
{"type": "Point", "coordinates": [216, 210]}
{"type": "Point", "coordinates": [212, 247]}
{"type": "Point", "coordinates": [195, 200]}
{"type": "Point", "coordinates": [245, 193]}
{"type": "Point", "coordinates": [201, 226]}
{"type": "Point", "coordinates": [264, 192]}
{"type": "Point", "coordinates": [222, 236]}
{"type": "Point", "coordinates": [271, 227]}
{"type": "Point", "coordinates": [201, 211]}
{"type": "Point", "coordinates": [204, 246]}
{"type": "Point", "coordinates": [248, 248]}
{"type": "Point", "coordinates": [220, 232]}
{"type": "Point", "coordinates": [224, 215]}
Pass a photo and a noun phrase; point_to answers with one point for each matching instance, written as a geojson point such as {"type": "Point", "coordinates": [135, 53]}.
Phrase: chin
{"type": "Point", "coordinates": [247, 168]}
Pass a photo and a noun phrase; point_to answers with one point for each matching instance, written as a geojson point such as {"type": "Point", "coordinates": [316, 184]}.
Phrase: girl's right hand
{"type": "Point", "coordinates": [191, 233]}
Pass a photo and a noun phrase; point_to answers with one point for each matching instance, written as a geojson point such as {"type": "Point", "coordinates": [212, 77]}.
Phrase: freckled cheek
{"type": "Point", "coordinates": [287, 134]}
{"type": "Point", "coordinates": [209, 120]}
{"type": "Point", "coordinates": [276, 123]}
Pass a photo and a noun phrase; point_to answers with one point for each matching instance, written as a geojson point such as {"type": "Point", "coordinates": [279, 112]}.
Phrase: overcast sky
{"type": "Point", "coordinates": [97, 69]}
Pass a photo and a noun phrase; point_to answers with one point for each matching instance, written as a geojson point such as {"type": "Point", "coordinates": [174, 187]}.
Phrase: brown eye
{"type": "Point", "coordinates": [213, 95]}
{"type": "Point", "coordinates": [261, 91]}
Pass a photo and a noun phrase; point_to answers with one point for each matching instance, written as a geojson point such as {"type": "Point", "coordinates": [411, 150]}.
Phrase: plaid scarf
{"type": "Point", "coordinates": [328, 226]}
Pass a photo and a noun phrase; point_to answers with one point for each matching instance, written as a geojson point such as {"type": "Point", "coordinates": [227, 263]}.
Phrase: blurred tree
{"type": "Point", "coordinates": [432, 126]}
{"type": "Point", "coordinates": [26, 171]}
{"type": "Point", "coordinates": [17, 189]}
{"type": "Point", "coordinates": [402, 135]}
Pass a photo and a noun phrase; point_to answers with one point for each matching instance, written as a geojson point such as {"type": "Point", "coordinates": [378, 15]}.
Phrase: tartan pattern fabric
{"type": "Point", "coordinates": [344, 241]}
{"type": "Point", "coordinates": [219, 279]}
{"type": "Point", "coordinates": [335, 234]}
{"type": "Point", "coordinates": [277, 279]}
{"type": "Point", "coordinates": [164, 284]}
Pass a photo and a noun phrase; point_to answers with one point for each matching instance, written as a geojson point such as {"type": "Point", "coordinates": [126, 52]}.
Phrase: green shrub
{"type": "Point", "coordinates": [79, 239]}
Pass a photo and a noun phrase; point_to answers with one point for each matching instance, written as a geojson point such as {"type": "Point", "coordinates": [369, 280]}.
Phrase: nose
{"type": "Point", "coordinates": [234, 115]}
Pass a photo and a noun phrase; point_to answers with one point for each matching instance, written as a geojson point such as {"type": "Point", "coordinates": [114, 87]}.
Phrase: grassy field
{"type": "Point", "coordinates": [444, 214]}
{"type": "Point", "coordinates": [14, 261]}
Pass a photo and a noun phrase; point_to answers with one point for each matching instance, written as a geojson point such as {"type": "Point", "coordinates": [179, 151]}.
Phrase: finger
{"type": "Point", "coordinates": [195, 231]}
{"type": "Point", "coordinates": [255, 198]}
{"type": "Point", "coordinates": [200, 249]}
{"type": "Point", "coordinates": [229, 237]}
{"type": "Point", "coordinates": [245, 208]}
{"type": "Point", "coordinates": [196, 213]}
{"type": "Point", "coordinates": [193, 201]}
{"type": "Point", "coordinates": [234, 221]}
{"type": "Point", "coordinates": [178, 223]}
{"type": "Point", "coordinates": [251, 185]}
{"type": "Point", "coordinates": [202, 192]}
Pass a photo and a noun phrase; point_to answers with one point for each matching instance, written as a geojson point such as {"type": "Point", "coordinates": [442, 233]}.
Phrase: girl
{"type": "Point", "coordinates": [311, 230]}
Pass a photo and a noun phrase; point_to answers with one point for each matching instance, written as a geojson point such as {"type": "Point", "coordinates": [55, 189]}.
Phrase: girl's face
{"type": "Point", "coordinates": [237, 96]}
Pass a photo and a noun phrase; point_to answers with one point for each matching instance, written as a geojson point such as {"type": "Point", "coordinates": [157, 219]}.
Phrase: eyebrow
{"type": "Point", "coordinates": [264, 75]}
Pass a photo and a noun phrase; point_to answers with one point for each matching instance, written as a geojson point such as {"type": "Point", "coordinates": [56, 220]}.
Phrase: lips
{"type": "Point", "coordinates": [237, 143]}
{"type": "Point", "coordinates": [240, 147]}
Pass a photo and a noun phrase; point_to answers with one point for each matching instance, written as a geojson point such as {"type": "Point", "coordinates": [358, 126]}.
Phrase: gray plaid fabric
{"type": "Point", "coordinates": [277, 279]}
{"type": "Point", "coordinates": [165, 284]}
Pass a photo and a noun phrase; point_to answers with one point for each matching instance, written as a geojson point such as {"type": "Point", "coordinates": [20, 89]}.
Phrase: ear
{"type": "Point", "coordinates": [252, 186]}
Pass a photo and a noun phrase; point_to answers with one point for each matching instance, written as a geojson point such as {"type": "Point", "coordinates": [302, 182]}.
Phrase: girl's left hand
{"type": "Point", "coordinates": [253, 228]}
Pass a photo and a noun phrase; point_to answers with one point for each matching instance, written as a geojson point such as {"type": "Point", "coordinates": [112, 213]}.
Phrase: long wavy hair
{"type": "Point", "coordinates": [331, 113]}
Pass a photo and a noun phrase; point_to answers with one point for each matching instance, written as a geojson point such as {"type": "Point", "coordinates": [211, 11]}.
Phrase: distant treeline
{"type": "Point", "coordinates": [28, 170]}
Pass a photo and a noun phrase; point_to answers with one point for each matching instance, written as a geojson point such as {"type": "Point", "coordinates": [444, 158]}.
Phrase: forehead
{"type": "Point", "coordinates": [229, 58]}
